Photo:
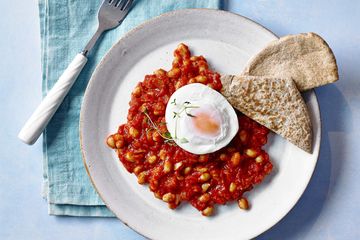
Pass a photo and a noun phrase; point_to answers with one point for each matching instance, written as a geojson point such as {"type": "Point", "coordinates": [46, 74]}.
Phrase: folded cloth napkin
{"type": "Point", "coordinates": [66, 26]}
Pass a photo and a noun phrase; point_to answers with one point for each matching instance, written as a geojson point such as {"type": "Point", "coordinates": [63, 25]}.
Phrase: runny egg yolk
{"type": "Point", "coordinates": [205, 124]}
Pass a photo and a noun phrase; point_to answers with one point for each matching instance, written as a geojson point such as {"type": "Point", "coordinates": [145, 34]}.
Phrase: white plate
{"type": "Point", "coordinates": [227, 41]}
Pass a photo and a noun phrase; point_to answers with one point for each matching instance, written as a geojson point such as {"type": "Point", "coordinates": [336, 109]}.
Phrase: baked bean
{"type": "Point", "coordinates": [160, 72]}
{"type": "Point", "coordinates": [134, 132]}
{"type": "Point", "coordinates": [162, 154]}
{"type": "Point", "coordinates": [204, 177]}
{"type": "Point", "coordinates": [259, 159]}
{"type": "Point", "coordinates": [204, 198]}
{"type": "Point", "coordinates": [129, 156]}
{"type": "Point", "coordinates": [251, 152]}
{"type": "Point", "coordinates": [142, 178]}
{"type": "Point", "coordinates": [156, 136]}
{"type": "Point", "coordinates": [137, 91]}
{"type": "Point", "coordinates": [174, 73]}
{"type": "Point", "coordinates": [167, 166]}
{"type": "Point", "coordinates": [152, 159]}
{"type": "Point", "coordinates": [187, 170]}
{"type": "Point", "coordinates": [235, 159]}
{"type": "Point", "coordinates": [243, 203]}
{"type": "Point", "coordinates": [168, 197]}
{"type": "Point", "coordinates": [201, 79]}
{"type": "Point", "coordinates": [232, 187]}
{"type": "Point", "coordinates": [208, 211]}
{"type": "Point", "coordinates": [110, 142]}
{"type": "Point", "coordinates": [205, 187]}
{"type": "Point", "coordinates": [177, 165]}
{"type": "Point", "coordinates": [137, 169]}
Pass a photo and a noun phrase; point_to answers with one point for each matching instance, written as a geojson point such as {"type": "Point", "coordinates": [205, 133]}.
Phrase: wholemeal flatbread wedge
{"type": "Point", "coordinates": [275, 103]}
{"type": "Point", "coordinates": [306, 58]}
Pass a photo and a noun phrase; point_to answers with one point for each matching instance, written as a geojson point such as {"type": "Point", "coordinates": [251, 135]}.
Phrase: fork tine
{"type": "Point", "coordinates": [120, 4]}
{"type": "Point", "coordinates": [113, 3]}
{"type": "Point", "coordinates": [127, 5]}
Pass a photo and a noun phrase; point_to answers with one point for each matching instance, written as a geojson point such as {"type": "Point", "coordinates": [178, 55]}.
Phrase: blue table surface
{"type": "Point", "coordinates": [329, 208]}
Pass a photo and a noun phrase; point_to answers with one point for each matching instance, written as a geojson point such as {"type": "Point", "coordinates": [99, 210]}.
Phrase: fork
{"type": "Point", "coordinates": [110, 15]}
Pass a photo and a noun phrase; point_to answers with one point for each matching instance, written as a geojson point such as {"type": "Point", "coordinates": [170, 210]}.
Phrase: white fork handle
{"type": "Point", "coordinates": [44, 112]}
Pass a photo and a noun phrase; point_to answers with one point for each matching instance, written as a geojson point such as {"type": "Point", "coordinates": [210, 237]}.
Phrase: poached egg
{"type": "Point", "coordinates": [199, 119]}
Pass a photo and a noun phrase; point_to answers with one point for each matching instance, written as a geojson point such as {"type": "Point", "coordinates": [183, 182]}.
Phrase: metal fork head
{"type": "Point", "coordinates": [112, 12]}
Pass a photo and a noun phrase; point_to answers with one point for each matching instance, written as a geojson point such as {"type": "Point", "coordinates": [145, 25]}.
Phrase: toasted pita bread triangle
{"type": "Point", "coordinates": [275, 103]}
{"type": "Point", "coordinates": [306, 58]}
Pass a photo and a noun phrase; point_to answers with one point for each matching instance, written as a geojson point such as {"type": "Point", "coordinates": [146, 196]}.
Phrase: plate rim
{"type": "Point", "coordinates": [141, 26]}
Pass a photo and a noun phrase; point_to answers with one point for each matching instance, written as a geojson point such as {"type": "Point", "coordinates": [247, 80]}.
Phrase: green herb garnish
{"type": "Point", "coordinates": [166, 136]}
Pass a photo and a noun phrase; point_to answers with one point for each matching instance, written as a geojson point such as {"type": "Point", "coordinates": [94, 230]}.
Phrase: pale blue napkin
{"type": "Point", "coordinates": [66, 26]}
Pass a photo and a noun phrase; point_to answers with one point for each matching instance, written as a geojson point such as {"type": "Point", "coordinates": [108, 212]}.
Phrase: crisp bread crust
{"type": "Point", "coordinates": [306, 58]}
{"type": "Point", "coordinates": [273, 102]}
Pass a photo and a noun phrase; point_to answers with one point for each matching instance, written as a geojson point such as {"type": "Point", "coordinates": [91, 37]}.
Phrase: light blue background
{"type": "Point", "coordinates": [329, 208]}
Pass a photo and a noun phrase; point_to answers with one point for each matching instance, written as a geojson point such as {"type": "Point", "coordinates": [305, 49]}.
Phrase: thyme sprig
{"type": "Point", "coordinates": [166, 136]}
{"type": "Point", "coordinates": [183, 108]}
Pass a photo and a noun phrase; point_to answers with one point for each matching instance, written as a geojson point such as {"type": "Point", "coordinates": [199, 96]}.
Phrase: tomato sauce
{"type": "Point", "coordinates": [173, 174]}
